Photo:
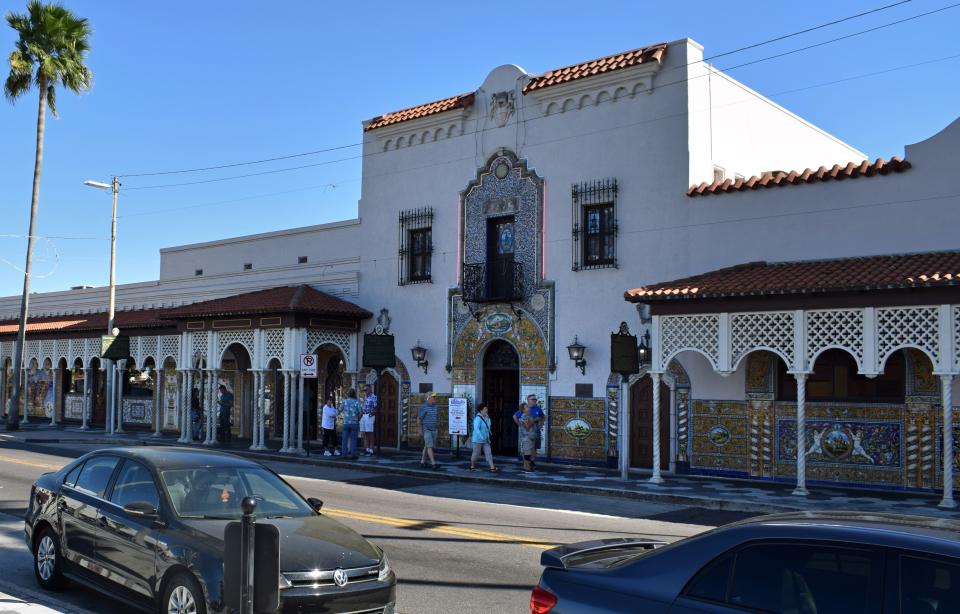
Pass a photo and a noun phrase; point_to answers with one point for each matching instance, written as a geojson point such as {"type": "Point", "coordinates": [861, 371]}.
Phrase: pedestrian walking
{"type": "Point", "coordinates": [427, 417]}
{"type": "Point", "coordinates": [328, 423]}
{"type": "Point", "coordinates": [225, 409]}
{"type": "Point", "coordinates": [196, 414]}
{"type": "Point", "coordinates": [538, 417]}
{"type": "Point", "coordinates": [368, 419]}
{"type": "Point", "coordinates": [528, 436]}
{"type": "Point", "coordinates": [350, 410]}
{"type": "Point", "coordinates": [480, 438]}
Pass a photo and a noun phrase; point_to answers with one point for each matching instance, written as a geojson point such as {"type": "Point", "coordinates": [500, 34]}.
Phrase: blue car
{"type": "Point", "coordinates": [798, 563]}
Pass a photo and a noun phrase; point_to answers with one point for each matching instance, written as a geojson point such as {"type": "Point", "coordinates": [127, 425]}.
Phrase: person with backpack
{"type": "Point", "coordinates": [480, 438]}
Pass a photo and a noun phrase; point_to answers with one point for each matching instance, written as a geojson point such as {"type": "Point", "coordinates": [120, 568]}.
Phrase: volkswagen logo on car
{"type": "Point", "coordinates": [340, 577]}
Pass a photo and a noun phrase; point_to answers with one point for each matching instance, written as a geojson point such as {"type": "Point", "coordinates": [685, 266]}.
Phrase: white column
{"type": "Point", "coordinates": [87, 371]}
{"type": "Point", "coordinates": [948, 456]}
{"type": "Point", "coordinates": [182, 391]}
{"type": "Point", "coordinates": [209, 410]}
{"type": "Point", "coordinates": [26, 396]}
{"type": "Point", "coordinates": [300, 413]}
{"type": "Point", "coordinates": [801, 489]}
{"type": "Point", "coordinates": [672, 454]}
{"type": "Point", "coordinates": [158, 400]}
{"type": "Point", "coordinates": [656, 477]}
{"type": "Point", "coordinates": [262, 402]}
{"type": "Point", "coordinates": [56, 378]}
{"type": "Point", "coordinates": [623, 430]}
{"type": "Point", "coordinates": [286, 409]}
{"type": "Point", "coordinates": [255, 430]}
{"type": "Point", "coordinates": [118, 388]}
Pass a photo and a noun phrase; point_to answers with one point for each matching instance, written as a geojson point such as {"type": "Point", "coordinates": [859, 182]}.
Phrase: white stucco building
{"type": "Point", "coordinates": [495, 227]}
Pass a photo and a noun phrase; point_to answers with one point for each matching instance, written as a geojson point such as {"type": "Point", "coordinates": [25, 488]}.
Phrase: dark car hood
{"type": "Point", "coordinates": [308, 543]}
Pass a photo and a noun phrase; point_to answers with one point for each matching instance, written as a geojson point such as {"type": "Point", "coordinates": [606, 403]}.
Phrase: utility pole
{"type": "Point", "coordinates": [113, 186]}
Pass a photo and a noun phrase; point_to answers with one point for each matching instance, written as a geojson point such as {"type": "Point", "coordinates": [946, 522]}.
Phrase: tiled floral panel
{"type": "Point", "coordinates": [40, 394]}
{"type": "Point", "coordinates": [859, 444]}
{"type": "Point", "coordinates": [761, 373]}
{"type": "Point", "coordinates": [720, 436]}
{"type": "Point", "coordinates": [73, 407]}
{"type": "Point", "coordinates": [540, 391]}
{"type": "Point", "coordinates": [921, 382]}
{"type": "Point", "coordinates": [956, 449]}
{"type": "Point", "coordinates": [522, 333]}
{"type": "Point", "coordinates": [578, 428]}
{"type": "Point", "coordinates": [138, 411]}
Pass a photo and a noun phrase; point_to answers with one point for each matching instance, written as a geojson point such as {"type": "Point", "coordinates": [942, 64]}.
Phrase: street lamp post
{"type": "Point", "coordinates": [114, 186]}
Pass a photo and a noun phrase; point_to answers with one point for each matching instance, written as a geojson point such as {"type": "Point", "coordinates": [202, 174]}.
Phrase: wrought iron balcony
{"type": "Point", "coordinates": [492, 282]}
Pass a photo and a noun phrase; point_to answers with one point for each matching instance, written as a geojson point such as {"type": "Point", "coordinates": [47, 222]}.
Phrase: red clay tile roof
{"type": "Point", "coordinates": [932, 269]}
{"type": "Point", "coordinates": [643, 55]}
{"type": "Point", "coordinates": [141, 318]}
{"type": "Point", "coordinates": [287, 299]}
{"type": "Point", "coordinates": [780, 178]}
{"type": "Point", "coordinates": [463, 101]}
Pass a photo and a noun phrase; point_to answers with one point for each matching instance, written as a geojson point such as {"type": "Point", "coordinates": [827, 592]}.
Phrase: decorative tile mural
{"type": "Point", "coordinates": [578, 428]}
{"type": "Point", "coordinates": [857, 444]}
{"type": "Point", "coordinates": [523, 334]}
{"type": "Point", "coordinates": [720, 437]}
{"type": "Point", "coordinates": [73, 407]}
{"type": "Point", "coordinates": [138, 411]}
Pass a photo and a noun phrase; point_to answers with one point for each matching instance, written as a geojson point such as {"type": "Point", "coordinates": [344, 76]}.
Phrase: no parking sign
{"type": "Point", "coordinates": [308, 365]}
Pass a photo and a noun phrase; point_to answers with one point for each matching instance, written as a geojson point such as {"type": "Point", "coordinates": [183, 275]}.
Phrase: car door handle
{"type": "Point", "coordinates": [62, 505]}
{"type": "Point", "coordinates": [102, 521]}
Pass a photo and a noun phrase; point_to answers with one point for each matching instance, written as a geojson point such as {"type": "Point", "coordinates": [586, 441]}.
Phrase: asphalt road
{"type": "Point", "coordinates": [455, 547]}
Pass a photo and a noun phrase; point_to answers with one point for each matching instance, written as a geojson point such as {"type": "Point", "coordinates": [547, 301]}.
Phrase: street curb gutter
{"type": "Point", "coordinates": [35, 598]}
{"type": "Point", "coordinates": [601, 491]}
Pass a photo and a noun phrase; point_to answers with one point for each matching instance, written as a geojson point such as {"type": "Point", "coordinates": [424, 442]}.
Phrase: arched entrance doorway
{"type": "Point", "coordinates": [330, 381]}
{"type": "Point", "coordinates": [235, 374]}
{"type": "Point", "coordinates": [501, 393]}
{"type": "Point", "coordinates": [641, 424]}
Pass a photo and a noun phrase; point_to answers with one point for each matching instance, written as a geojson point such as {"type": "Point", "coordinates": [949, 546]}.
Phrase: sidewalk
{"type": "Point", "coordinates": [695, 491]}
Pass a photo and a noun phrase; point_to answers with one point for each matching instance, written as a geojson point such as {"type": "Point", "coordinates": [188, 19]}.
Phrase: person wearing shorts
{"type": "Point", "coordinates": [368, 419]}
{"type": "Point", "coordinates": [328, 422]}
{"type": "Point", "coordinates": [427, 417]}
{"type": "Point", "coordinates": [528, 436]}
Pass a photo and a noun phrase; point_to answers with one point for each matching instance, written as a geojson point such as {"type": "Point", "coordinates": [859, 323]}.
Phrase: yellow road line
{"type": "Point", "coordinates": [443, 528]}
{"type": "Point", "coordinates": [20, 461]}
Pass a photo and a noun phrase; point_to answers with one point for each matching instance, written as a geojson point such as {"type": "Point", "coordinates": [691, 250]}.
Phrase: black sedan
{"type": "Point", "coordinates": [800, 563]}
{"type": "Point", "coordinates": [146, 526]}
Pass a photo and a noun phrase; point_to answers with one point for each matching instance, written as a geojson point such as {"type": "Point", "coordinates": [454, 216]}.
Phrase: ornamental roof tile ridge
{"type": "Point", "coordinates": [882, 272]}
{"type": "Point", "coordinates": [771, 179]}
{"type": "Point", "coordinates": [557, 76]}
{"type": "Point", "coordinates": [616, 61]}
{"type": "Point", "coordinates": [460, 101]}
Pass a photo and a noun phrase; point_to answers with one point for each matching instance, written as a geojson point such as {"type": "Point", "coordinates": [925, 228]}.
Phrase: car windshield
{"type": "Point", "coordinates": [216, 493]}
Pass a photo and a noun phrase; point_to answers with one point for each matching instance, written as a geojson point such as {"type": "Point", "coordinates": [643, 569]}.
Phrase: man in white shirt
{"type": "Point", "coordinates": [328, 422]}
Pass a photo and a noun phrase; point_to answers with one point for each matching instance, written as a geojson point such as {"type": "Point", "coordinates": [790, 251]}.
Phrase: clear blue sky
{"type": "Point", "coordinates": [184, 84]}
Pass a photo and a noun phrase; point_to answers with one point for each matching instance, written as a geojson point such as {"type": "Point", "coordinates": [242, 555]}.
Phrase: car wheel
{"type": "Point", "coordinates": [47, 561]}
{"type": "Point", "coordinates": [183, 596]}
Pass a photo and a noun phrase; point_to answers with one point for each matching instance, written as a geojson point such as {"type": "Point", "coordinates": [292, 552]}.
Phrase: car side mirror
{"type": "Point", "coordinates": [140, 509]}
{"type": "Point", "coordinates": [315, 503]}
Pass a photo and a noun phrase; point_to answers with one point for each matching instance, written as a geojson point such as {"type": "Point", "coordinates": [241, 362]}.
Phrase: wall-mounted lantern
{"type": "Point", "coordinates": [575, 350]}
{"type": "Point", "coordinates": [419, 354]}
{"type": "Point", "coordinates": [643, 350]}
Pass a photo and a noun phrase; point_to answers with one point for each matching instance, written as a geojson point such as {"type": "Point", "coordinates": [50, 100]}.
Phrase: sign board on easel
{"type": "Point", "coordinates": [457, 416]}
{"type": "Point", "coordinates": [308, 365]}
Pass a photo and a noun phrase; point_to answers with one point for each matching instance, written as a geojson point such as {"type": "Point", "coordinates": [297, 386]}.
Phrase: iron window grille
{"type": "Point", "coordinates": [595, 224]}
{"type": "Point", "coordinates": [416, 246]}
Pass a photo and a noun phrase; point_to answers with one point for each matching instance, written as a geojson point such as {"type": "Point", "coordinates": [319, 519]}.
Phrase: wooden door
{"type": "Point", "coordinates": [388, 402]}
{"type": "Point", "coordinates": [641, 424]}
{"type": "Point", "coordinates": [501, 394]}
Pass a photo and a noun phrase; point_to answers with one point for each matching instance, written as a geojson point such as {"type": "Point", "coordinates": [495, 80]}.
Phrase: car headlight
{"type": "Point", "coordinates": [384, 568]}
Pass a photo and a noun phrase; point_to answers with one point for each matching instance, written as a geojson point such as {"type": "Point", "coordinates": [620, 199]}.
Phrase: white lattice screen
{"type": "Point", "coordinates": [273, 344]}
{"type": "Point", "coordinates": [907, 326]}
{"type": "Point", "coordinates": [198, 341]}
{"type": "Point", "coordinates": [338, 338]}
{"type": "Point", "coordinates": [956, 336]}
{"type": "Point", "coordinates": [243, 337]}
{"type": "Point", "coordinates": [169, 348]}
{"type": "Point", "coordinates": [837, 328]}
{"type": "Point", "coordinates": [753, 331]}
{"type": "Point", "coordinates": [62, 351]}
{"type": "Point", "coordinates": [698, 332]}
{"type": "Point", "coordinates": [148, 347]}
{"type": "Point", "coordinates": [47, 347]}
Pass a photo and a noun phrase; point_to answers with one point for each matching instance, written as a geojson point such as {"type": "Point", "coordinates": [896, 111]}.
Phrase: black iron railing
{"type": "Point", "coordinates": [495, 281]}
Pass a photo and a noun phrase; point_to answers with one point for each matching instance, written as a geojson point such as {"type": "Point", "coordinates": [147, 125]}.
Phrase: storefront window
{"type": "Point", "coordinates": [835, 378]}
{"type": "Point", "coordinates": [139, 383]}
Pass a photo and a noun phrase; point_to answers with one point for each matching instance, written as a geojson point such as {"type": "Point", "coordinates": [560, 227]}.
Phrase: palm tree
{"type": "Point", "coordinates": [51, 50]}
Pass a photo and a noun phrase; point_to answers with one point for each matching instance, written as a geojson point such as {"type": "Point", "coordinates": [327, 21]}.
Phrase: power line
{"type": "Point", "coordinates": [531, 119]}
{"type": "Point", "coordinates": [558, 139]}
{"type": "Point", "coordinates": [341, 147]}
